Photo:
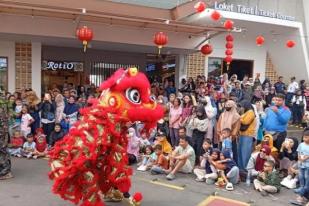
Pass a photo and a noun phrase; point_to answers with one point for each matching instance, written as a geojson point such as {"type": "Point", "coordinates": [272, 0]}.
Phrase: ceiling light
{"type": "Point", "coordinates": [167, 21]}
{"type": "Point", "coordinates": [84, 11]}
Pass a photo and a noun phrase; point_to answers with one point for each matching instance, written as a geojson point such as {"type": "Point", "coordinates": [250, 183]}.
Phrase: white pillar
{"type": "Point", "coordinates": [36, 67]}
{"type": "Point", "coordinates": [306, 21]}
{"type": "Point", "coordinates": [180, 69]}
{"type": "Point", "coordinates": [7, 49]}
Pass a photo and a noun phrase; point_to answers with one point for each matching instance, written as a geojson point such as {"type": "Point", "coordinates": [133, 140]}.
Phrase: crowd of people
{"type": "Point", "coordinates": [222, 130]}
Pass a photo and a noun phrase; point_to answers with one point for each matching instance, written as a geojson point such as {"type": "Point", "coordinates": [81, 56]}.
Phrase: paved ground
{"type": "Point", "coordinates": [31, 187]}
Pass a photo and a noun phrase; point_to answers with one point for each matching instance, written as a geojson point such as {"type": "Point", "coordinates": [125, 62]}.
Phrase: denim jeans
{"type": "Point", "coordinates": [174, 136]}
{"type": "Point", "coordinates": [303, 177]}
{"type": "Point", "coordinates": [233, 175]}
{"type": "Point", "coordinates": [244, 151]}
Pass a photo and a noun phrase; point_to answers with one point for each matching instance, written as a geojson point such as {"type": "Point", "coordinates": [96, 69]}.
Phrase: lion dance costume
{"type": "Point", "coordinates": [91, 160]}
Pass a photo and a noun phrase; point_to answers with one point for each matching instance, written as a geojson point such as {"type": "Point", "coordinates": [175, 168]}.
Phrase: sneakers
{"type": "Point", "coordinates": [18, 155]}
{"type": "Point", "coordinates": [35, 157]}
{"type": "Point", "coordinates": [289, 182]}
{"type": "Point", "coordinates": [7, 176]}
{"type": "Point", "coordinates": [200, 179]}
{"type": "Point", "coordinates": [142, 168]}
{"type": "Point", "coordinates": [170, 176]}
{"type": "Point", "coordinates": [229, 187]}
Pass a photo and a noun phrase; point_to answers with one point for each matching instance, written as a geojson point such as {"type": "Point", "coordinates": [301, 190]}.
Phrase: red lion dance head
{"type": "Point", "coordinates": [91, 159]}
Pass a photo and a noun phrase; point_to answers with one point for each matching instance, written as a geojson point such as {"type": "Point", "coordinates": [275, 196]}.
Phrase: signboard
{"type": "Point", "coordinates": [238, 8]}
{"type": "Point", "coordinates": [59, 65]}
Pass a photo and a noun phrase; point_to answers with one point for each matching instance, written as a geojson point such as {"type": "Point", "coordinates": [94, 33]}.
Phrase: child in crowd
{"type": "Point", "coordinates": [200, 170]}
{"type": "Point", "coordinates": [40, 143]}
{"type": "Point", "coordinates": [56, 135]}
{"type": "Point", "coordinates": [227, 141]}
{"type": "Point", "coordinates": [16, 144]}
{"type": "Point", "coordinates": [161, 164]}
{"type": "Point", "coordinates": [303, 163]}
{"type": "Point", "coordinates": [26, 121]}
{"type": "Point", "coordinates": [228, 170]}
{"type": "Point", "coordinates": [144, 142]}
{"type": "Point", "coordinates": [29, 147]}
{"type": "Point", "coordinates": [268, 180]}
{"type": "Point", "coordinates": [148, 159]}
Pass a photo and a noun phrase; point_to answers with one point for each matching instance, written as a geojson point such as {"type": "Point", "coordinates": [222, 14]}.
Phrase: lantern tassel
{"type": "Point", "coordinates": [85, 45]}
{"type": "Point", "coordinates": [228, 66]}
{"type": "Point", "coordinates": [160, 47]}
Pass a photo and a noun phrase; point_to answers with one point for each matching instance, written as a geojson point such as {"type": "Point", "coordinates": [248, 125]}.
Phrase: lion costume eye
{"type": "Point", "coordinates": [133, 95]}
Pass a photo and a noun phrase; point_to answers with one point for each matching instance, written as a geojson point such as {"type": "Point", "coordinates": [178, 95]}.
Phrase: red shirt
{"type": "Point", "coordinates": [17, 141]}
{"type": "Point", "coordinates": [41, 143]}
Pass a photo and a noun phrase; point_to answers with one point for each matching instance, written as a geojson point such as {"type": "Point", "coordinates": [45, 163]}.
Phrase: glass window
{"type": "Point", "coordinates": [4, 73]}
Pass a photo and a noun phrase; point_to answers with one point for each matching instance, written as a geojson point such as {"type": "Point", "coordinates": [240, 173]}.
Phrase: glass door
{"type": "Point", "coordinates": [3, 74]}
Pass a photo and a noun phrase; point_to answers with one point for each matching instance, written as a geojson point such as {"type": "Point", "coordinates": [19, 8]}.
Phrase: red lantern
{"type": "Point", "coordinates": [206, 49]}
{"type": "Point", "coordinates": [228, 24]}
{"type": "Point", "coordinates": [215, 15]}
{"type": "Point", "coordinates": [228, 59]}
{"type": "Point", "coordinates": [229, 52]}
{"type": "Point", "coordinates": [260, 40]}
{"type": "Point", "coordinates": [229, 37]}
{"type": "Point", "coordinates": [229, 45]}
{"type": "Point", "coordinates": [160, 39]}
{"type": "Point", "coordinates": [84, 34]}
{"type": "Point", "coordinates": [200, 6]}
{"type": "Point", "coordinates": [290, 43]}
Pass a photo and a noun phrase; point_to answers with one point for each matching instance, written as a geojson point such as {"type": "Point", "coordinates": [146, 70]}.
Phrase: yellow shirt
{"type": "Point", "coordinates": [248, 118]}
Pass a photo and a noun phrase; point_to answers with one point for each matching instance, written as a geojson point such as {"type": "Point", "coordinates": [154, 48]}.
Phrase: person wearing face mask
{"type": "Point", "coordinates": [133, 146]}
{"type": "Point", "coordinates": [199, 125]}
{"type": "Point", "coordinates": [229, 119]}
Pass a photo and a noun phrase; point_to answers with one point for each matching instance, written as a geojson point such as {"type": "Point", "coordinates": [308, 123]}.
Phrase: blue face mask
{"type": "Point", "coordinates": [272, 104]}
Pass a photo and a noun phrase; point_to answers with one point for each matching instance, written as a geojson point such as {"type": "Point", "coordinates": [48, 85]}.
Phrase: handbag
{"type": "Point", "coordinates": [50, 116]}
{"type": "Point", "coordinates": [244, 127]}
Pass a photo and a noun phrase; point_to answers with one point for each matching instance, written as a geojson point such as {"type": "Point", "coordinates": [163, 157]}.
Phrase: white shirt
{"type": "Point", "coordinates": [292, 87]}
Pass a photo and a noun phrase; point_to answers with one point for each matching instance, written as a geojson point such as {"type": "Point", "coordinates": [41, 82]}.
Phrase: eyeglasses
{"type": "Point", "coordinates": [267, 165]}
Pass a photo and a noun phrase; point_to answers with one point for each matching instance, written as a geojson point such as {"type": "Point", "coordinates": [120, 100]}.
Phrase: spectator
{"type": "Point", "coordinates": [199, 126]}
{"type": "Point", "coordinates": [133, 146]}
{"type": "Point", "coordinates": [171, 89]}
{"type": "Point", "coordinates": [148, 159]}
{"type": "Point", "coordinates": [269, 97]}
{"type": "Point", "coordinates": [227, 141]}
{"type": "Point", "coordinates": [299, 106]}
{"type": "Point", "coordinates": [16, 144]}
{"type": "Point", "coordinates": [268, 180]}
{"type": "Point", "coordinates": [161, 164]}
{"type": "Point", "coordinates": [26, 121]}
{"type": "Point", "coordinates": [303, 160]}
{"type": "Point", "coordinates": [238, 91]}
{"type": "Point", "coordinates": [174, 121]}
{"type": "Point", "coordinates": [71, 111]}
{"type": "Point", "coordinates": [59, 100]}
{"type": "Point", "coordinates": [211, 113]}
{"type": "Point", "coordinates": [56, 135]}
{"type": "Point", "coordinates": [229, 119]}
{"type": "Point", "coordinates": [268, 140]}
{"type": "Point", "coordinates": [230, 172]}
{"type": "Point", "coordinates": [276, 120]}
{"type": "Point", "coordinates": [34, 105]}
{"type": "Point", "coordinates": [41, 145]}
{"type": "Point", "coordinates": [48, 109]}
{"type": "Point", "coordinates": [29, 147]}
{"type": "Point", "coordinates": [257, 160]}
{"type": "Point", "coordinates": [186, 110]}
{"type": "Point", "coordinates": [288, 153]}
{"type": "Point", "coordinates": [200, 171]}
{"type": "Point", "coordinates": [306, 94]}
{"type": "Point", "coordinates": [280, 86]}
{"type": "Point", "coordinates": [161, 140]}
{"type": "Point", "coordinates": [293, 86]}
{"type": "Point", "coordinates": [248, 92]}
{"type": "Point", "coordinates": [182, 159]}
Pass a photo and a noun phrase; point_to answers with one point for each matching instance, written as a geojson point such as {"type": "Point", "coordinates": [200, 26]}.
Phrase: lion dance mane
{"type": "Point", "coordinates": [90, 162]}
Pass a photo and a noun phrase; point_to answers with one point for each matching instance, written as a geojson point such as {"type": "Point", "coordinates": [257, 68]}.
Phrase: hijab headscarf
{"type": "Point", "coordinates": [229, 117]}
{"type": "Point", "coordinates": [211, 110]}
{"type": "Point", "coordinates": [247, 105]}
{"type": "Point", "coordinates": [133, 143]}
{"type": "Point", "coordinates": [260, 161]}
{"type": "Point", "coordinates": [201, 109]}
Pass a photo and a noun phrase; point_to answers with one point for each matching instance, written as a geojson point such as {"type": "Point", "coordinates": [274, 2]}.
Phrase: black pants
{"type": "Point", "coordinates": [48, 128]}
{"type": "Point", "coordinates": [298, 112]}
{"type": "Point", "coordinates": [132, 159]}
{"type": "Point", "coordinates": [197, 142]}
{"type": "Point", "coordinates": [234, 149]}
{"type": "Point", "coordinates": [280, 139]}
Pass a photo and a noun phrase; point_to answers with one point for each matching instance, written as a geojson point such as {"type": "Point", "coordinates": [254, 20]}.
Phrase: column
{"type": "Point", "coordinates": [7, 49]}
{"type": "Point", "coordinates": [180, 69]}
{"type": "Point", "coordinates": [36, 67]}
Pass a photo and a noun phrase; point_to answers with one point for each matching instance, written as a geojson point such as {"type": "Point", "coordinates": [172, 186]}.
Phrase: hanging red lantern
{"type": "Point", "coordinates": [215, 15]}
{"type": "Point", "coordinates": [229, 52]}
{"type": "Point", "coordinates": [229, 45]}
{"type": "Point", "coordinates": [290, 43]}
{"type": "Point", "coordinates": [84, 34]}
{"type": "Point", "coordinates": [200, 6]}
{"type": "Point", "coordinates": [228, 24]}
{"type": "Point", "coordinates": [206, 49]}
{"type": "Point", "coordinates": [260, 40]}
{"type": "Point", "coordinates": [228, 59]}
{"type": "Point", "coordinates": [160, 39]}
{"type": "Point", "coordinates": [229, 37]}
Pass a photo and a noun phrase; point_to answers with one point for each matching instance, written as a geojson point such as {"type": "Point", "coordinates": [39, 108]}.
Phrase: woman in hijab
{"type": "Point", "coordinates": [199, 125]}
{"type": "Point", "coordinates": [287, 153]}
{"type": "Point", "coordinates": [247, 135]}
{"type": "Point", "coordinates": [71, 111]}
{"type": "Point", "coordinates": [268, 140]}
{"type": "Point", "coordinates": [34, 105]}
{"type": "Point", "coordinates": [133, 146]}
{"type": "Point", "coordinates": [257, 160]}
{"type": "Point", "coordinates": [229, 119]}
{"type": "Point", "coordinates": [211, 112]}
